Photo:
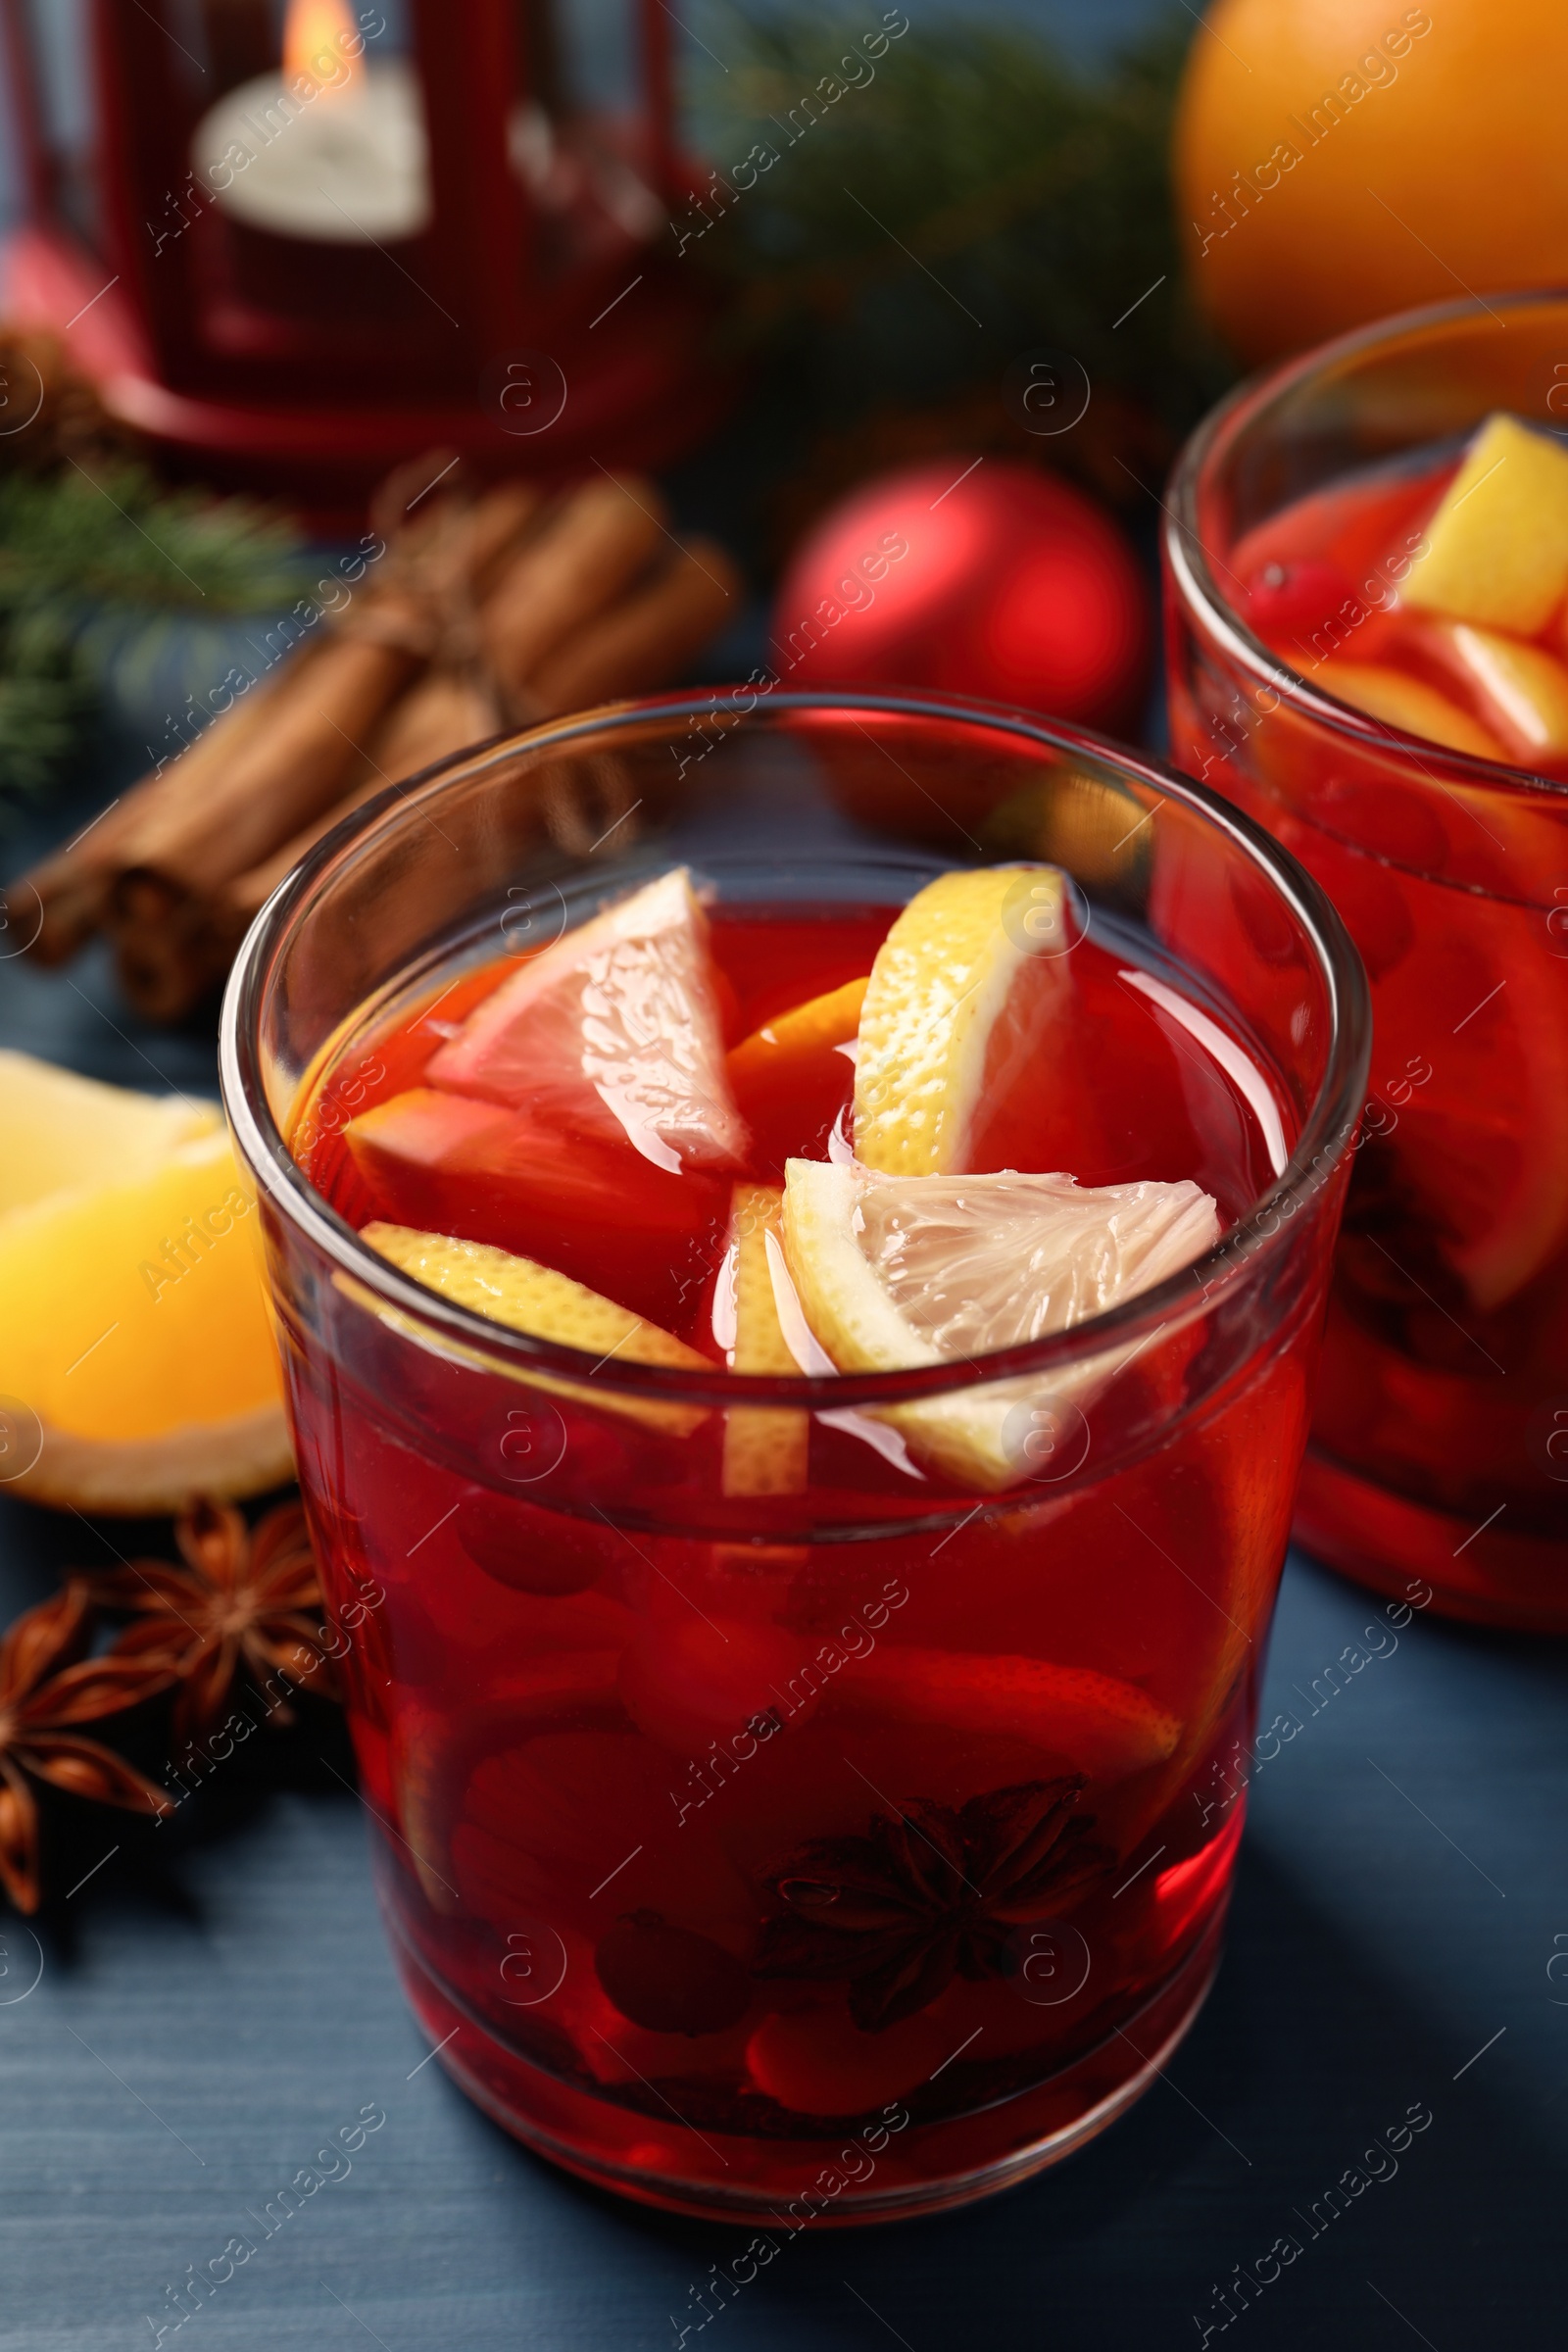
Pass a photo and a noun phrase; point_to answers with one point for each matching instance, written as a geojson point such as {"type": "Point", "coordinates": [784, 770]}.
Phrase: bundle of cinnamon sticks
{"type": "Point", "coordinates": [485, 613]}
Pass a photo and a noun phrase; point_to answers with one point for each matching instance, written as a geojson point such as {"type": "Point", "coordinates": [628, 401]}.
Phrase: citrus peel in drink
{"type": "Point", "coordinates": [581, 1202]}
{"type": "Point", "coordinates": [791, 1076]}
{"type": "Point", "coordinates": [1401, 701]}
{"type": "Point", "coordinates": [1521, 690]}
{"type": "Point", "coordinates": [1110, 1728]}
{"type": "Point", "coordinates": [831, 1019]}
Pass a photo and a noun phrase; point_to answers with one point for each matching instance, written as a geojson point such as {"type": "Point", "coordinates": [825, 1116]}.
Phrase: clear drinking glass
{"type": "Point", "coordinates": [640, 1750]}
{"type": "Point", "coordinates": [1440, 1445]}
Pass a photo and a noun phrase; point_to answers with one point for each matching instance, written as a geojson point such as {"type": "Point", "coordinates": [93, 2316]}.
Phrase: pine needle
{"type": "Point", "coordinates": [98, 539]}
{"type": "Point", "coordinates": [1035, 196]}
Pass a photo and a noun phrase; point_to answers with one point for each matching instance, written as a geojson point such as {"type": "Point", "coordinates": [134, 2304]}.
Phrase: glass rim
{"type": "Point", "coordinates": [1320, 1147]}
{"type": "Point", "coordinates": [1210, 442]}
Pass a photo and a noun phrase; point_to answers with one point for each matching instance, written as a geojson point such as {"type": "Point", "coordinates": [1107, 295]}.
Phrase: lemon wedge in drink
{"type": "Point", "coordinates": [526, 1296]}
{"type": "Point", "coordinates": [964, 989]}
{"type": "Point", "coordinates": [1497, 549]}
{"type": "Point", "coordinates": [765, 1446]}
{"type": "Point", "coordinates": [894, 1271]}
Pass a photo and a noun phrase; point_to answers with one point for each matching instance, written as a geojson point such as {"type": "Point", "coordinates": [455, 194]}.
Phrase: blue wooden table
{"type": "Point", "coordinates": [177, 2044]}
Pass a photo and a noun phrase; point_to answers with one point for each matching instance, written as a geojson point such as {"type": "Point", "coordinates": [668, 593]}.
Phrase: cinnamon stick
{"type": "Point", "coordinates": [461, 551]}
{"type": "Point", "coordinates": [72, 884]}
{"type": "Point", "coordinates": [166, 970]}
{"type": "Point", "coordinates": [282, 781]}
{"type": "Point", "coordinates": [167, 967]}
{"type": "Point", "coordinates": [646, 639]}
{"type": "Point", "coordinates": [578, 561]}
{"type": "Point", "coordinates": [275, 781]}
{"type": "Point", "coordinates": [443, 714]}
{"type": "Point", "coordinates": [453, 552]}
{"type": "Point", "coordinates": [636, 645]}
{"type": "Point", "coordinates": [575, 615]}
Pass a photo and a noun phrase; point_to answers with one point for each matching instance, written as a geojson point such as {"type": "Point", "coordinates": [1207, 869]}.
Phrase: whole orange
{"type": "Point", "coordinates": [1335, 160]}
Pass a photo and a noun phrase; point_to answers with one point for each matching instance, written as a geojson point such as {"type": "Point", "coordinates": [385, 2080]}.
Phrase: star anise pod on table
{"type": "Point", "coordinates": [928, 1893]}
{"type": "Point", "coordinates": [47, 1691]}
{"type": "Point", "coordinates": [244, 1595]}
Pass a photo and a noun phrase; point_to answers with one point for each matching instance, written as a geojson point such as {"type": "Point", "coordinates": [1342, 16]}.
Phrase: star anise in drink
{"type": "Point", "coordinates": [244, 1595]}
{"type": "Point", "coordinates": [48, 1691]}
{"type": "Point", "coordinates": [929, 1893]}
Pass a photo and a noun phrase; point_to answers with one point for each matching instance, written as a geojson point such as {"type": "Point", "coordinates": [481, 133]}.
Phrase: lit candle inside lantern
{"type": "Point", "coordinates": [332, 148]}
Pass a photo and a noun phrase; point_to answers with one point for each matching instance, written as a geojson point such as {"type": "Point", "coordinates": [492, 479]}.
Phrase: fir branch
{"type": "Point", "coordinates": [112, 534]}
{"type": "Point", "coordinates": [104, 537]}
{"type": "Point", "coordinates": [1038, 195]}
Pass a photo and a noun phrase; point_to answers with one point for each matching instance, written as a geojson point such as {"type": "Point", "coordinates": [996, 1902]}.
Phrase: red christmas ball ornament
{"type": "Point", "coordinates": [1002, 583]}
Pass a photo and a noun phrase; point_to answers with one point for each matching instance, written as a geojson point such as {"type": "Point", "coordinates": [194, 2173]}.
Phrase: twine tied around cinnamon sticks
{"type": "Point", "coordinates": [485, 613]}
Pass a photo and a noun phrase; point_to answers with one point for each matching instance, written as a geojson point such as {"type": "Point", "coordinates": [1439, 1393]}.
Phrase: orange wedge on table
{"type": "Point", "coordinates": [136, 1358]}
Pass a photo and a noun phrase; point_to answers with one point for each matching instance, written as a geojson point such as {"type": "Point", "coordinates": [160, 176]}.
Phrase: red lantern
{"type": "Point", "coordinates": [319, 244]}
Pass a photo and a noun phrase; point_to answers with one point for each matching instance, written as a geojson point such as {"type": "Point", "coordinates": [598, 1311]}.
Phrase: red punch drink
{"type": "Point", "coordinates": [1375, 664]}
{"type": "Point", "coordinates": [815, 1358]}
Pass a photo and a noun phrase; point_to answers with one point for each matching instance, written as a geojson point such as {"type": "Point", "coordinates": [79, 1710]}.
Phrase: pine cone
{"type": "Point", "coordinates": [48, 411]}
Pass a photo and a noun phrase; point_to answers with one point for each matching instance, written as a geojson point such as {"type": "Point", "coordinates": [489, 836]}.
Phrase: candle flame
{"type": "Point", "coordinates": [316, 38]}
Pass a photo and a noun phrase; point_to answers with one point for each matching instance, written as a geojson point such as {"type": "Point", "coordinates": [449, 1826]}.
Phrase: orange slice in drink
{"type": "Point", "coordinates": [1110, 1728]}
{"type": "Point", "coordinates": [1401, 701]}
{"type": "Point", "coordinates": [1521, 690]}
{"type": "Point", "coordinates": [766, 1058]}
{"type": "Point", "coordinates": [437, 1161]}
{"type": "Point", "coordinates": [792, 1077]}
{"type": "Point", "coordinates": [1482, 1140]}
